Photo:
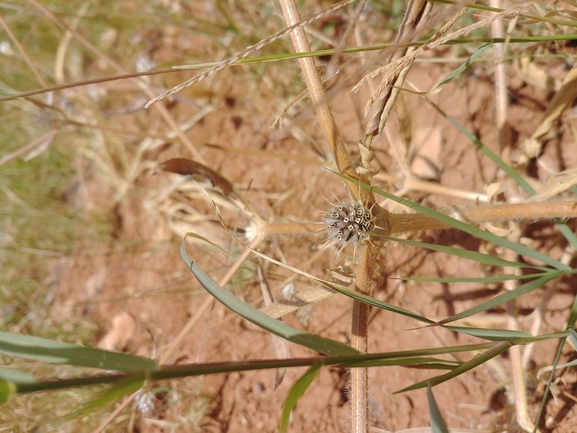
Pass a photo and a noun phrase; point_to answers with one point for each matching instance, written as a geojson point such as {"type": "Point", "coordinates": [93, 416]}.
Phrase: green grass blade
{"type": "Point", "coordinates": [459, 70]}
{"type": "Point", "coordinates": [573, 337]}
{"type": "Point", "coordinates": [296, 392]}
{"type": "Point", "coordinates": [121, 388]}
{"type": "Point", "coordinates": [480, 359]}
{"type": "Point", "coordinates": [320, 344]}
{"type": "Point", "coordinates": [15, 375]}
{"type": "Point", "coordinates": [543, 337]}
{"type": "Point", "coordinates": [493, 279]}
{"type": "Point", "coordinates": [491, 334]}
{"type": "Point", "coordinates": [459, 252]}
{"type": "Point", "coordinates": [567, 232]}
{"type": "Point", "coordinates": [373, 302]}
{"type": "Point", "coordinates": [7, 390]}
{"type": "Point", "coordinates": [549, 383]}
{"type": "Point", "coordinates": [411, 361]}
{"type": "Point", "coordinates": [432, 366]}
{"type": "Point", "coordinates": [42, 349]}
{"type": "Point", "coordinates": [572, 315]}
{"type": "Point", "coordinates": [437, 423]}
{"type": "Point", "coordinates": [502, 298]}
{"type": "Point", "coordinates": [188, 370]}
{"type": "Point", "coordinates": [279, 57]}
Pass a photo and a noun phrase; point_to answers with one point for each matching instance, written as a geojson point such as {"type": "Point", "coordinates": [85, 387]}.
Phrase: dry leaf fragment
{"type": "Point", "coordinates": [555, 185]}
{"type": "Point", "coordinates": [536, 76]}
{"type": "Point", "coordinates": [563, 98]}
{"type": "Point", "coordinates": [195, 169]}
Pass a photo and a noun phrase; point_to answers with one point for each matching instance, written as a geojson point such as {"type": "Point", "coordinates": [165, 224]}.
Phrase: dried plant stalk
{"type": "Point", "coordinates": [416, 222]}
{"type": "Point", "coordinates": [320, 103]}
{"type": "Point", "coordinates": [359, 328]}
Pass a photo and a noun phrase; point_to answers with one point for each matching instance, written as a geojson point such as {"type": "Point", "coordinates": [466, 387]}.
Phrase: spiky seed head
{"type": "Point", "coordinates": [349, 223]}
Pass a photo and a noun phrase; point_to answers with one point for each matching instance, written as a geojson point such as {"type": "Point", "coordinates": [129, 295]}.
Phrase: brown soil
{"type": "Point", "coordinates": [140, 273]}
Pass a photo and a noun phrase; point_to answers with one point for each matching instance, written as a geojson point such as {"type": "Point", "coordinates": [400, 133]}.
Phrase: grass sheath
{"type": "Point", "coordinates": [538, 211]}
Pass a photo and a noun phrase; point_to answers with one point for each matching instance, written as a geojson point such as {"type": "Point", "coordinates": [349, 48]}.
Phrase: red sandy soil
{"type": "Point", "coordinates": [140, 272]}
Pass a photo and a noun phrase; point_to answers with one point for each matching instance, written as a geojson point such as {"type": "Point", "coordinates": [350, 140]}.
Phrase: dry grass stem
{"type": "Point", "coordinates": [415, 222]}
{"type": "Point", "coordinates": [65, 43]}
{"type": "Point", "coordinates": [365, 278]}
{"type": "Point", "coordinates": [86, 83]}
{"type": "Point", "coordinates": [319, 100]}
{"type": "Point", "coordinates": [501, 89]}
{"type": "Point", "coordinates": [517, 371]}
{"type": "Point", "coordinates": [432, 188]}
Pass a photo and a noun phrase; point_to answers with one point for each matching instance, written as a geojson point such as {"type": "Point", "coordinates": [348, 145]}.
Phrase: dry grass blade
{"type": "Point", "coordinates": [245, 53]}
{"type": "Point", "coordinates": [555, 185]}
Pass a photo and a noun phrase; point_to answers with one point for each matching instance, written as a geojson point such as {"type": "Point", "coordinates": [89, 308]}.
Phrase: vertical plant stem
{"type": "Point", "coordinates": [500, 80]}
{"type": "Point", "coordinates": [320, 103]}
{"type": "Point", "coordinates": [359, 376]}
{"type": "Point", "coordinates": [365, 284]}
{"type": "Point", "coordinates": [517, 371]}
